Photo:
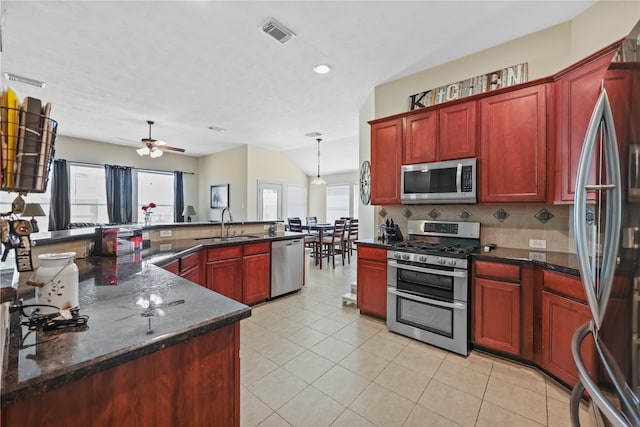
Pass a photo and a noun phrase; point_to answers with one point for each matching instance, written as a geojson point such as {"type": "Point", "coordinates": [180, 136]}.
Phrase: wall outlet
{"type": "Point", "coordinates": [165, 246]}
{"type": "Point", "coordinates": [538, 244]}
{"type": "Point", "coordinates": [538, 256]}
{"type": "Point", "coordinates": [165, 233]}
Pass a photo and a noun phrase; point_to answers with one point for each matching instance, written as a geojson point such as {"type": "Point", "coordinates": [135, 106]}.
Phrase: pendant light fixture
{"type": "Point", "coordinates": [317, 180]}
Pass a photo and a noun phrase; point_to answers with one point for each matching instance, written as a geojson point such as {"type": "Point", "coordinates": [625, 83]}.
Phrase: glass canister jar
{"type": "Point", "coordinates": [59, 274]}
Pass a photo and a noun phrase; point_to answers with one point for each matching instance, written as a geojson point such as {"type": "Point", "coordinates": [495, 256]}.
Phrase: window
{"type": "Point", "coordinates": [269, 201]}
{"type": "Point", "coordinates": [297, 201]}
{"type": "Point", "coordinates": [338, 197]}
{"type": "Point", "coordinates": [88, 194]}
{"type": "Point", "coordinates": [156, 187]}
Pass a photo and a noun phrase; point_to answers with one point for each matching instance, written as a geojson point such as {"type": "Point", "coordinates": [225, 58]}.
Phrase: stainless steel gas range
{"type": "Point", "coordinates": [428, 283]}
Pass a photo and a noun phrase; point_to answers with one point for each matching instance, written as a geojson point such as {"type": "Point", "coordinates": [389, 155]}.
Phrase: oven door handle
{"type": "Point", "coordinates": [427, 270]}
{"type": "Point", "coordinates": [459, 178]}
{"type": "Point", "coordinates": [454, 305]}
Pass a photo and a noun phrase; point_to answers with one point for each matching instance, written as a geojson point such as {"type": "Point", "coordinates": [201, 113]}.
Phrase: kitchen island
{"type": "Point", "coordinates": [177, 364]}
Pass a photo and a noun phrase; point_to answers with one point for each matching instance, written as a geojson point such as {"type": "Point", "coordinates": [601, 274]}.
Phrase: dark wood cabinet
{"type": "Point", "coordinates": [564, 309]}
{"type": "Point", "coordinates": [224, 271]}
{"type": "Point", "coordinates": [502, 298]}
{"type": "Point", "coordinates": [386, 159]}
{"type": "Point", "coordinates": [578, 89]}
{"type": "Point", "coordinates": [190, 268]}
{"type": "Point", "coordinates": [256, 273]}
{"type": "Point", "coordinates": [513, 146]}
{"type": "Point", "coordinates": [458, 133]}
{"type": "Point", "coordinates": [173, 267]}
{"type": "Point", "coordinates": [372, 281]}
{"type": "Point", "coordinates": [420, 137]}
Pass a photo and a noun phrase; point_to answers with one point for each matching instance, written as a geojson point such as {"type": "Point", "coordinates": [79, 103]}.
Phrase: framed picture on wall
{"type": "Point", "coordinates": [220, 196]}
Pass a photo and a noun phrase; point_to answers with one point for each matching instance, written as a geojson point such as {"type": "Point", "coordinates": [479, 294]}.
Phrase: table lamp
{"type": "Point", "coordinates": [33, 210]}
{"type": "Point", "coordinates": [188, 211]}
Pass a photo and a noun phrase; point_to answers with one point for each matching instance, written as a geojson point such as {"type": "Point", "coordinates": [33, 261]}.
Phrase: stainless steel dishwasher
{"type": "Point", "coordinates": [287, 264]}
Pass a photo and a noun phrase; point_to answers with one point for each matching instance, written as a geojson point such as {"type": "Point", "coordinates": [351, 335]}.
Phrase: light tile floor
{"type": "Point", "coordinates": [308, 360]}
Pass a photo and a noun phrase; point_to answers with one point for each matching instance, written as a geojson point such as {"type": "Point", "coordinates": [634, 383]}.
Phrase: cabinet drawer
{"type": "Point", "coordinates": [192, 275]}
{"type": "Point", "coordinates": [215, 254]}
{"type": "Point", "coordinates": [172, 267]}
{"type": "Point", "coordinates": [498, 270]}
{"type": "Point", "coordinates": [256, 248]}
{"type": "Point", "coordinates": [189, 261]}
{"type": "Point", "coordinates": [374, 254]}
{"type": "Point", "coordinates": [564, 284]}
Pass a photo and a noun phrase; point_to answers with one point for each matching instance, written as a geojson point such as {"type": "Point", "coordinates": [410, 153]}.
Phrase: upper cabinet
{"type": "Point", "coordinates": [446, 133]}
{"type": "Point", "coordinates": [458, 132]}
{"type": "Point", "coordinates": [513, 146]}
{"type": "Point", "coordinates": [386, 159]}
{"type": "Point", "coordinates": [578, 89]}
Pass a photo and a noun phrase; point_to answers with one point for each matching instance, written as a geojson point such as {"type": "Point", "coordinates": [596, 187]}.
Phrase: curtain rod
{"type": "Point", "coordinates": [132, 167]}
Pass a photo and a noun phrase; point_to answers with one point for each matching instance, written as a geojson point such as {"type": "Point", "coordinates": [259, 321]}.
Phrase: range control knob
{"type": "Point", "coordinates": [452, 262]}
{"type": "Point", "coordinates": [397, 255]}
{"type": "Point", "coordinates": [441, 261]}
{"type": "Point", "coordinates": [406, 256]}
{"type": "Point", "coordinates": [422, 258]}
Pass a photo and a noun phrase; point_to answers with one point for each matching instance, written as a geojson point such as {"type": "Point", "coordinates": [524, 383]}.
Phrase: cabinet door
{"type": "Point", "coordinates": [421, 137]}
{"type": "Point", "coordinates": [513, 146]}
{"type": "Point", "coordinates": [372, 288]}
{"type": "Point", "coordinates": [560, 319]}
{"type": "Point", "coordinates": [225, 277]}
{"type": "Point", "coordinates": [458, 132]}
{"type": "Point", "coordinates": [579, 91]}
{"type": "Point", "coordinates": [386, 152]}
{"type": "Point", "coordinates": [497, 315]}
{"type": "Point", "coordinates": [257, 278]}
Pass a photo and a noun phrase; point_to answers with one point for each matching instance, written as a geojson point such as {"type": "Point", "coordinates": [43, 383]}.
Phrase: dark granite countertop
{"type": "Point", "coordinates": [556, 261]}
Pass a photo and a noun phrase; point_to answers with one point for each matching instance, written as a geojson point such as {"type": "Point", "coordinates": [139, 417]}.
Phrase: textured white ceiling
{"type": "Point", "coordinates": [111, 65]}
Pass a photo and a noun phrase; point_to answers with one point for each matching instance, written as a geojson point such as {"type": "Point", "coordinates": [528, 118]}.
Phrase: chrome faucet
{"type": "Point", "coordinates": [222, 233]}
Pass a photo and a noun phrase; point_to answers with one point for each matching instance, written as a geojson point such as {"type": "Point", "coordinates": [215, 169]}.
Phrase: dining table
{"type": "Point", "coordinates": [321, 229]}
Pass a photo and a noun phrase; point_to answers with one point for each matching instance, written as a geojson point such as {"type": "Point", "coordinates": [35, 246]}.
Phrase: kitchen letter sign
{"type": "Point", "coordinates": [485, 82]}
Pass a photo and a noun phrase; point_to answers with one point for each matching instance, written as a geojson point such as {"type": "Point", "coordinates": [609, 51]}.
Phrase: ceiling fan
{"type": "Point", "coordinates": [154, 147]}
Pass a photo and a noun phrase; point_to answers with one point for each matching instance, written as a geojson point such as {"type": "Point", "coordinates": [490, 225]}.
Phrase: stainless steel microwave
{"type": "Point", "coordinates": [450, 182]}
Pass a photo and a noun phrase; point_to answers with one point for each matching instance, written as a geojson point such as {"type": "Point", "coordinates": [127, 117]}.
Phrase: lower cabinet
{"type": "Point", "coordinates": [501, 321]}
{"type": "Point", "coordinates": [372, 281]}
{"type": "Point", "coordinates": [497, 308]}
{"type": "Point", "coordinates": [564, 310]}
{"type": "Point", "coordinates": [224, 271]}
{"type": "Point", "coordinates": [256, 273]}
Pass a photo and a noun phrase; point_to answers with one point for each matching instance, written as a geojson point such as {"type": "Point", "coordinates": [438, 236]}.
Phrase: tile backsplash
{"type": "Point", "coordinates": [509, 226]}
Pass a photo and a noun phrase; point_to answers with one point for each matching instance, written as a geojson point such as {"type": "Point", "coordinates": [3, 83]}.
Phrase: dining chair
{"type": "Point", "coordinates": [295, 224]}
{"type": "Point", "coordinates": [334, 244]}
{"type": "Point", "coordinates": [351, 235]}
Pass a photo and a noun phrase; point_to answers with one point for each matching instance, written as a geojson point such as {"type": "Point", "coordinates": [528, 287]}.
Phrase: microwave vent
{"type": "Point", "coordinates": [277, 31]}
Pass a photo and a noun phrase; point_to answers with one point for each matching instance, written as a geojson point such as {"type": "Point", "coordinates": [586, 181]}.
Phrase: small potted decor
{"type": "Point", "coordinates": [148, 212]}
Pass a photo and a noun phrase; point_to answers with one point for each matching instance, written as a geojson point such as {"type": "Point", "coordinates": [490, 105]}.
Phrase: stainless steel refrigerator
{"type": "Point", "coordinates": [608, 246]}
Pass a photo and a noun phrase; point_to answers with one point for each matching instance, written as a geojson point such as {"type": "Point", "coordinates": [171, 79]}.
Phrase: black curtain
{"type": "Point", "coordinates": [119, 199]}
{"type": "Point", "coordinates": [178, 197]}
{"type": "Point", "coordinates": [60, 204]}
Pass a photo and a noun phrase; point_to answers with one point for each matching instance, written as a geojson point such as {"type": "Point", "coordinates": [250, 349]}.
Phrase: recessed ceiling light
{"type": "Point", "coordinates": [322, 68]}
{"type": "Point", "coordinates": [313, 134]}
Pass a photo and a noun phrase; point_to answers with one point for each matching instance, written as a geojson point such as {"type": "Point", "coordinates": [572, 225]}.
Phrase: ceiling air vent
{"type": "Point", "coordinates": [277, 31]}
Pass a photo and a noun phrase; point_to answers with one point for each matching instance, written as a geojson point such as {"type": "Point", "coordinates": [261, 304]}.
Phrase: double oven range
{"type": "Point", "coordinates": [428, 283]}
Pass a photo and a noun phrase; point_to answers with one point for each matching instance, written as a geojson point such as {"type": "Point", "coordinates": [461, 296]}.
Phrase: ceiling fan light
{"type": "Point", "coordinates": [155, 153]}
{"type": "Point", "coordinates": [143, 151]}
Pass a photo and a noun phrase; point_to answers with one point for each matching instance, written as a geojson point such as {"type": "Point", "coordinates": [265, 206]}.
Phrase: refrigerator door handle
{"type": "Point", "coordinates": [600, 135]}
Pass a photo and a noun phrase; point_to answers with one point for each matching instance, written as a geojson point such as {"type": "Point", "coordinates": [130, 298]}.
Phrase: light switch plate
{"type": "Point", "coordinates": [538, 256]}
{"type": "Point", "coordinates": [538, 244]}
{"type": "Point", "coordinates": [165, 233]}
{"type": "Point", "coordinates": [165, 246]}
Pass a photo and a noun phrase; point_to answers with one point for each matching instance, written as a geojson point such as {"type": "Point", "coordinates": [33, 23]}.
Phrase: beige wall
{"type": "Point", "coordinates": [366, 214]}
{"type": "Point", "coordinates": [226, 167]}
{"type": "Point", "coordinates": [242, 168]}
{"type": "Point", "coordinates": [547, 52]}
{"type": "Point", "coordinates": [270, 166]}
